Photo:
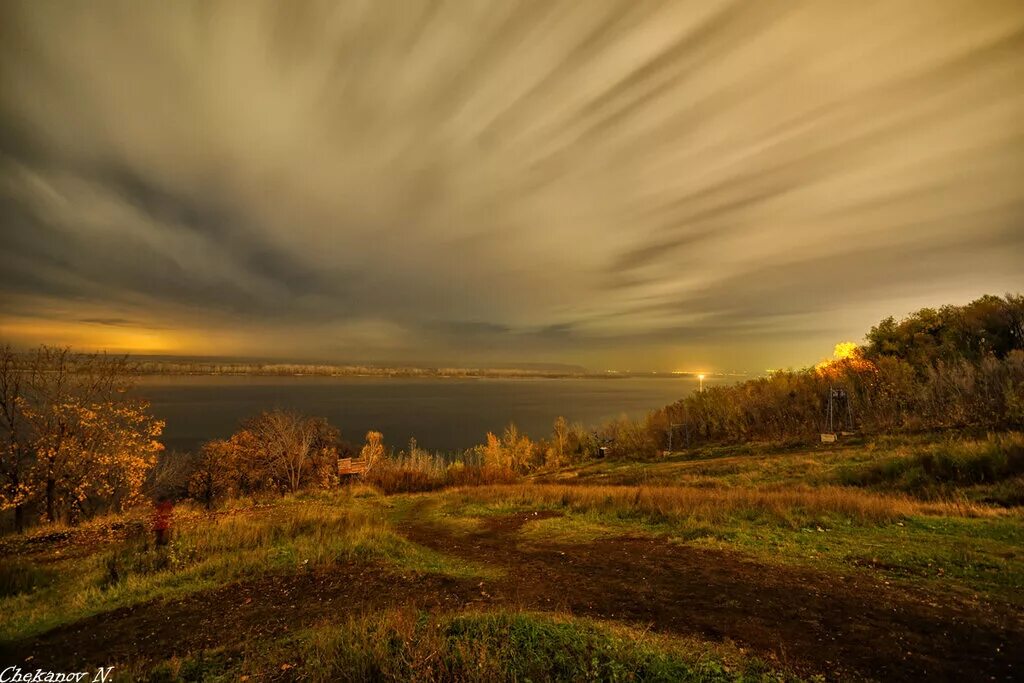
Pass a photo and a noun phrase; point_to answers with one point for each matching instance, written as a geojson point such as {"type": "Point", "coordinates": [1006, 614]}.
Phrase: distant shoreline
{"type": "Point", "coordinates": [177, 369]}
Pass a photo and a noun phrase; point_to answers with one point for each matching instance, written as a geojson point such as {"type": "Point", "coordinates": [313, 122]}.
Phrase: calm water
{"type": "Point", "coordinates": [443, 414]}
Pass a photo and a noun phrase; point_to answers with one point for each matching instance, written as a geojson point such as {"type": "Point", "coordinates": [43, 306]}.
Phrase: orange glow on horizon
{"type": "Point", "coordinates": [90, 336]}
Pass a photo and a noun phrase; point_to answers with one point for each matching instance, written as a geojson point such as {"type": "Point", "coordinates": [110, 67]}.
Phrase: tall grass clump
{"type": "Point", "coordinates": [422, 471]}
{"type": "Point", "coordinates": [417, 471]}
{"type": "Point", "coordinates": [933, 471]}
{"type": "Point", "coordinates": [18, 576]}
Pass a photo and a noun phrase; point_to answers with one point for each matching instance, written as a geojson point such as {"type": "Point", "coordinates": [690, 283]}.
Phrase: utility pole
{"type": "Point", "coordinates": [671, 428]}
{"type": "Point", "coordinates": [831, 397]}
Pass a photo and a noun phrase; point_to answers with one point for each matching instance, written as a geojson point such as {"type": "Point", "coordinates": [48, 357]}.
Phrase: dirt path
{"type": "Point", "coordinates": [822, 621]}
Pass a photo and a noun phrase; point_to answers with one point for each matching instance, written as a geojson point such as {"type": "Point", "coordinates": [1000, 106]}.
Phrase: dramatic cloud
{"type": "Point", "coordinates": [617, 184]}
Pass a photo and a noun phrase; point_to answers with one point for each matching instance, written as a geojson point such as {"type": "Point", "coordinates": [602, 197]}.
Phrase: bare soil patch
{"type": "Point", "coordinates": [245, 611]}
{"type": "Point", "coordinates": [812, 620]}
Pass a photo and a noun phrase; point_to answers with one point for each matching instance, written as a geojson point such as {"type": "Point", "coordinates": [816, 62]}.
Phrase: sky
{"type": "Point", "coordinates": [614, 184]}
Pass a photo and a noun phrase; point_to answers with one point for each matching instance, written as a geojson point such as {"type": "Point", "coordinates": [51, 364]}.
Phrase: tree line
{"type": "Point", "coordinates": [953, 367]}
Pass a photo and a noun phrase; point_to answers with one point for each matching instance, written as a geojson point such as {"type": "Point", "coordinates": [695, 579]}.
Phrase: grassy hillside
{"type": "Point", "coordinates": [988, 469]}
{"type": "Point", "coordinates": [726, 564]}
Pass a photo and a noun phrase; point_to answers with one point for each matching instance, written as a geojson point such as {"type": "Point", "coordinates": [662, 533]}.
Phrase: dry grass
{"type": "Point", "coordinates": [790, 506]}
{"type": "Point", "coordinates": [87, 573]}
{"type": "Point", "coordinates": [425, 472]}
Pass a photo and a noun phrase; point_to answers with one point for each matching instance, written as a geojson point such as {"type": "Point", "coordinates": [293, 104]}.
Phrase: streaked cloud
{"type": "Point", "coordinates": [611, 183]}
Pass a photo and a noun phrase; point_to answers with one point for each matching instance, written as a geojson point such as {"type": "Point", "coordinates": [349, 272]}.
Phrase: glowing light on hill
{"type": "Point", "coordinates": [846, 355]}
{"type": "Point", "coordinates": [844, 350]}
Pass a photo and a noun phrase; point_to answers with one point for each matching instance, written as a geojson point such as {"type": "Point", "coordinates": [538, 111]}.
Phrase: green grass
{"type": "Point", "coordinates": [19, 577]}
{"type": "Point", "coordinates": [483, 646]}
{"type": "Point", "coordinates": [969, 555]}
{"type": "Point", "coordinates": [942, 469]}
{"type": "Point", "coordinates": [929, 466]}
{"type": "Point", "coordinates": [578, 528]}
{"type": "Point", "coordinates": [943, 543]}
{"type": "Point", "coordinates": [293, 534]}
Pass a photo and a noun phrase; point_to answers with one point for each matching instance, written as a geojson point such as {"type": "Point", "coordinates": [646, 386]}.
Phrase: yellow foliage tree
{"type": "Point", "coordinates": [373, 450]}
{"type": "Point", "coordinates": [493, 454]}
{"type": "Point", "coordinates": [518, 449]}
{"type": "Point", "coordinates": [82, 443]}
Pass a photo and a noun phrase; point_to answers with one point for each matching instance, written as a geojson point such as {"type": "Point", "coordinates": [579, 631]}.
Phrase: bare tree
{"type": "Point", "coordinates": [292, 446]}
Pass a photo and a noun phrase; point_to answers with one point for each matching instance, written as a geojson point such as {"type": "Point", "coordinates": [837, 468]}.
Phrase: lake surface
{"type": "Point", "coordinates": [443, 414]}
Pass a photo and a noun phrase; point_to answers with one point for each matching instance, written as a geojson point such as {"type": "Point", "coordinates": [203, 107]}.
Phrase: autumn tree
{"type": "Point", "coordinates": [373, 450]}
{"type": "Point", "coordinates": [556, 452]}
{"type": "Point", "coordinates": [492, 454]}
{"type": "Point", "coordinates": [214, 472]}
{"type": "Point", "coordinates": [518, 449]}
{"type": "Point", "coordinates": [113, 445]}
{"type": "Point", "coordinates": [293, 449]}
{"type": "Point", "coordinates": [73, 436]}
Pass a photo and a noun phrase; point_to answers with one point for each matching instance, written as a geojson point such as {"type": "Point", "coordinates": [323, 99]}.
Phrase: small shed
{"type": "Point", "coordinates": [351, 467]}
